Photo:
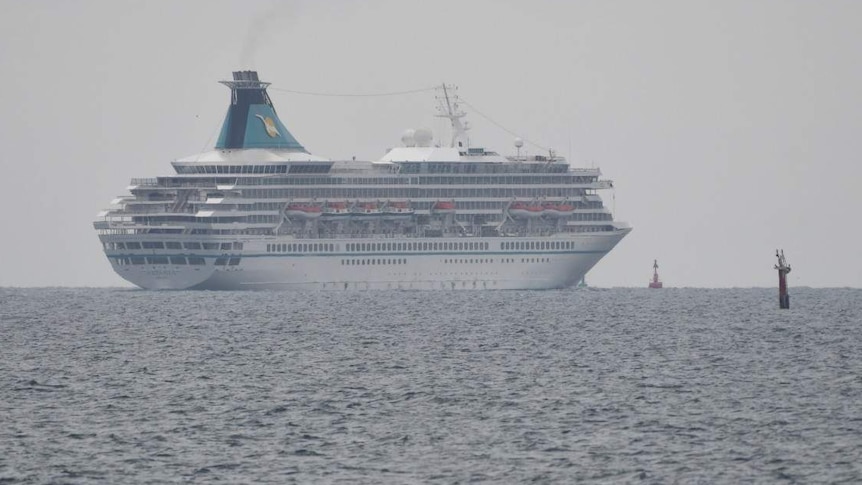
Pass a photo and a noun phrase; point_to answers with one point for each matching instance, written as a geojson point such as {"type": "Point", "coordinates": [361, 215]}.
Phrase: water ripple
{"type": "Point", "coordinates": [605, 386]}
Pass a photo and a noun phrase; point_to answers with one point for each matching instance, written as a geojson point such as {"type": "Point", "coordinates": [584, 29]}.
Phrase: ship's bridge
{"type": "Point", "coordinates": [252, 160]}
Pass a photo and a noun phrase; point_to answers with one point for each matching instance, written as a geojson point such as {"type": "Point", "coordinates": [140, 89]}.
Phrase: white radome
{"type": "Point", "coordinates": [408, 137]}
{"type": "Point", "coordinates": [423, 137]}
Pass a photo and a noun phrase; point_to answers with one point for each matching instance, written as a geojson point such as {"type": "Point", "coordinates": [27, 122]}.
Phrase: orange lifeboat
{"type": "Point", "coordinates": [336, 209]}
{"type": "Point", "coordinates": [366, 209]}
{"type": "Point", "coordinates": [552, 209]}
{"type": "Point", "coordinates": [303, 211]}
{"type": "Point", "coordinates": [398, 208]}
{"type": "Point", "coordinates": [443, 207]}
{"type": "Point", "coordinates": [521, 210]}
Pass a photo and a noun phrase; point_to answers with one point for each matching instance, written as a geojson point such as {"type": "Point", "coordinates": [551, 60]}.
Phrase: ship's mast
{"type": "Point", "coordinates": [448, 106]}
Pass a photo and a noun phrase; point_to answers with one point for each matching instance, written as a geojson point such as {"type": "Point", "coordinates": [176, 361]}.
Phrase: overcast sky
{"type": "Point", "coordinates": [730, 128]}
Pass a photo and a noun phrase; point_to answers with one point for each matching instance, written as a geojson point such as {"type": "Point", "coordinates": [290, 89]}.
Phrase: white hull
{"type": "Point", "coordinates": [493, 268]}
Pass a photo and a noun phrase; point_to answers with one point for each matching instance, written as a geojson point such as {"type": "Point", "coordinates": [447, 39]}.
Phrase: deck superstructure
{"type": "Point", "coordinates": [260, 211]}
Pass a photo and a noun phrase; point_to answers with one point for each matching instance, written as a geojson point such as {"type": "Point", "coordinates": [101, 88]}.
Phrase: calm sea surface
{"type": "Point", "coordinates": [605, 386]}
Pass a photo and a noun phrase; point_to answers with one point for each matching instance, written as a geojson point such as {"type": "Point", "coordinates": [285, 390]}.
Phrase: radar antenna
{"type": "Point", "coordinates": [448, 106]}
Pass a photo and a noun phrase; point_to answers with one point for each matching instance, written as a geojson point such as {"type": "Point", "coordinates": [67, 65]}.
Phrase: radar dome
{"type": "Point", "coordinates": [423, 137]}
{"type": "Point", "coordinates": [519, 142]}
{"type": "Point", "coordinates": [407, 138]}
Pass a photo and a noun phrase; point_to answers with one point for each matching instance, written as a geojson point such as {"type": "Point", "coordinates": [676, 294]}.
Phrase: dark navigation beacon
{"type": "Point", "coordinates": [783, 268]}
{"type": "Point", "coordinates": [655, 283]}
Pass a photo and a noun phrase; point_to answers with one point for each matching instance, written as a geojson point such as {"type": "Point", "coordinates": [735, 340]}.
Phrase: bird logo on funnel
{"type": "Point", "coordinates": [269, 125]}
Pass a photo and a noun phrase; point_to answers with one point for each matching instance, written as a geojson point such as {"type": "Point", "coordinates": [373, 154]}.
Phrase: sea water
{"type": "Point", "coordinates": [598, 385]}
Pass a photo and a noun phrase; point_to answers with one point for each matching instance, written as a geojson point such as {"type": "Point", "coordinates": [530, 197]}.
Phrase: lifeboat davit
{"type": "Point", "coordinates": [303, 211]}
{"type": "Point", "coordinates": [557, 210]}
{"type": "Point", "coordinates": [443, 207]}
{"type": "Point", "coordinates": [521, 210]}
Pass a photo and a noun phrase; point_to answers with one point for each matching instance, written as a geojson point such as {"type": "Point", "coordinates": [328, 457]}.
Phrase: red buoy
{"type": "Point", "coordinates": [655, 283]}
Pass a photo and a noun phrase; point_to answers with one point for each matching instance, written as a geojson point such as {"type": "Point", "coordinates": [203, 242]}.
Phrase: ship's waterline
{"type": "Point", "coordinates": [260, 212]}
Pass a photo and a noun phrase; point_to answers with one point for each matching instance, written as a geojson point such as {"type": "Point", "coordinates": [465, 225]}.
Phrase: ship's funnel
{"type": "Point", "coordinates": [251, 121]}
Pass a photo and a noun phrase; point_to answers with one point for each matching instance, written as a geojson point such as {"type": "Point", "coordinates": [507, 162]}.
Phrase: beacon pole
{"type": "Point", "coordinates": [783, 268]}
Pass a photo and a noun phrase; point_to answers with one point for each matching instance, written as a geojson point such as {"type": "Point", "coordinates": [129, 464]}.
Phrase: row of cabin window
{"type": "Point", "coordinates": [415, 192]}
{"type": "Point", "coordinates": [184, 169]}
{"type": "Point", "coordinates": [176, 260]}
{"type": "Point", "coordinates": [301, 248]}
{"type": "Point", "coordinates": [589, 228]}
{"type": "Point", "coordinates": [419, 246]}
{"type": "Point", "coordinates": [369, 262]}
{"type": "Point", "coordinates": [462, 206]}
{"type": "Point", "coordinates": [556, 179]}
{"type": "Point", "coordinates": [173, 245]}
{"type": "Point", "coordinates": [189, 218]}
{"type": "Point", "coordinates": [467, 167]}
{"type": "Point", "coordinates": [491, 261]}
{"type": "Point", "coordinates": [363, 262]}
{"type": "Point", "coordinates": [536, 245]}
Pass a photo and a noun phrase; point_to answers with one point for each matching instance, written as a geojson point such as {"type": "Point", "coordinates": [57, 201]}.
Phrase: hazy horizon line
{"type": "Point", "coordinates": [407, 289]}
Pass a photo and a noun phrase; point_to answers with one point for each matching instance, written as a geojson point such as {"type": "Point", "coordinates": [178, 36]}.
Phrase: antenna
{"type": "Point", "coordinates": [449, 107]}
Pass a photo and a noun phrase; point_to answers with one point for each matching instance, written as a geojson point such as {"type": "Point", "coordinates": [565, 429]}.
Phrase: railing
{"type": "Point", "coordinates": [603, 184]}
{"type": "Point", "coordinates": [148, 182]}
{"type": "Point", "coordinates": [156, 210]}
{"type": "Point", "coordinates": [169, 183]}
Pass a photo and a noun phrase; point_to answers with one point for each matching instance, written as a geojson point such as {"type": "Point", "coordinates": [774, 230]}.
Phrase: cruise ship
{"type": "Point", "coordinates": [259, 211]}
